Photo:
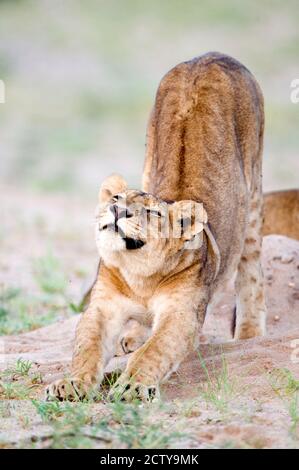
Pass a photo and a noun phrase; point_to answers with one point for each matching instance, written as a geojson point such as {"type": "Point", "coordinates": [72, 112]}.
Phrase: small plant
{"type": "Point", "coordinates": [76, 308]}
{"type": "Point", "coordinates": [36, 378]}
{"type": "Point", "coordinates": [48, 411]}
{"type": "Point", "coordinates": [14, 391]}
{"type": "Point", "coordinates": [283, 382]}
{"type": "Point", "coordinates": [286, 387]}
{"type": "Point", "coordinates": [17, 382]}
{"type": "Point", "coordinates": [219, 389]}
{"type": "Point", "coordinates": [22, 367]}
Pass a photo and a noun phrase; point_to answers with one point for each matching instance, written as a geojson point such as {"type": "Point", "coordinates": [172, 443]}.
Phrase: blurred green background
{"type": "Point", "coordinates": [81, 78]}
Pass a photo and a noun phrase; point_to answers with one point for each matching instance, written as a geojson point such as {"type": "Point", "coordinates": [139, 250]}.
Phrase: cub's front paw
{"type": "Point", "coordinates": [126, 389]}
{"type": "Point", "coordinates": [66, 389]}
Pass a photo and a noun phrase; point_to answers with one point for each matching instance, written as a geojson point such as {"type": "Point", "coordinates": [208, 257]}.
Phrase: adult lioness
{"type": "Point", "coordinates": [204, 146]}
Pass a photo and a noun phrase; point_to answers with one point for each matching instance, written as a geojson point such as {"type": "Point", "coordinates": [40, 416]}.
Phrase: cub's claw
{"type": "Point", "coordinates": [128, 390]}
{"type": "Point", "coordinates": [64, 389]}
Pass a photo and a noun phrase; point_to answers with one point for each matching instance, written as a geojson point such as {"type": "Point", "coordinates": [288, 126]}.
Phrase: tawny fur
{"type": "Point", "coordinates": [281, 217]}
{"type": "Point", "coordinates": [204, 144]}
{"type": "Point", "coordinates": [281, 213]}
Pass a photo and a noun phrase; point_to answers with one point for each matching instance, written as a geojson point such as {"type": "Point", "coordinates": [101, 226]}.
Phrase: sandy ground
{"type": "Point", "coordinates": [227, 394]}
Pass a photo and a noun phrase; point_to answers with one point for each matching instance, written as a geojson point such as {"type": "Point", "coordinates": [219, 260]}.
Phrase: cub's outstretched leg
{"type": "Point", "coordinates": [251, 309]}
{"type": "Point", "coordinates": [95, 343]}
{"type": "Point", "coordinates": [178, 318]}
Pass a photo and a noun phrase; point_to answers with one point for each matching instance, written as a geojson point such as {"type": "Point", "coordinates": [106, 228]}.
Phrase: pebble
{"type": "Point", "coordinates": [286, 259]}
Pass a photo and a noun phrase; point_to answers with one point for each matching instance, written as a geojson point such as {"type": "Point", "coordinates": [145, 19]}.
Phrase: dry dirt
{"type": "Point", "coordinates": [227, 394]}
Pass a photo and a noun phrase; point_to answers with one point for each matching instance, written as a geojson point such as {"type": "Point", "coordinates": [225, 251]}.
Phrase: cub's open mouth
{"type": "Point", "coordinates": [132, 244]}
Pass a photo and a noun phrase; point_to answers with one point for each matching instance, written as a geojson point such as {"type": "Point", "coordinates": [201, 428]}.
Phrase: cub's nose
{"type": "Point", "coordinates": [120, 212]}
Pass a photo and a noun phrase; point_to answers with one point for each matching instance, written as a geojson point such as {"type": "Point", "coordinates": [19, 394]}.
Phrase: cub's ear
{"type": "Point", "coordinates": [112, 185]}
{"type": "Point", "coordinates": [189, 219]}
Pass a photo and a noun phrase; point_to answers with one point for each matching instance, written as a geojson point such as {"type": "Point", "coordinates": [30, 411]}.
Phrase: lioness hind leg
{"type": "Point", "coordinates": [251, 309]}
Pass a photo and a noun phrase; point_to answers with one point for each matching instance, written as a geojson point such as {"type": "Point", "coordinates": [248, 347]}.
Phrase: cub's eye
{"type": "Point", "coordinates": [116, 197]}
{"type": "Point", "coordinates": [154, 213]}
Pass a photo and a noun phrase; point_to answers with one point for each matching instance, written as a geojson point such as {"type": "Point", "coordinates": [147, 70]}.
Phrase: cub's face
{"type": "Point", "coordinates": [142, 226]}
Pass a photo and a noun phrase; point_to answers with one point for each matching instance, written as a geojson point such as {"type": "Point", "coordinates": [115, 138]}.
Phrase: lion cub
{"type": "Point", "coordinates": [167, 251]}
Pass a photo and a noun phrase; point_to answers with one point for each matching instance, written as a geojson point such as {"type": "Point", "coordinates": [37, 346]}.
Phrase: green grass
{"type": "Point", "coordinates": [20, 369]}
{"type": "Point", "coordinates": [16, 313]}
{"type": "Point", "coordinates": [219, 388]}
{"type": "Point", "coordinates": [136, 430]}
{"type": "Point", "coordinates": [18, 381]}
{"type": "Point", "coordinates": [48, 275]}
{"type": "Point", "coordinates": [286, 387]}
{"type": "Point", "coordinates": [75, 425]}
{"type": "Point", "coordinates": [21, 311]}
{"type": "Point", "coordinates": [283, 382]}
{"type": "Point", "coordinates": [67, 422]}
{"type": "Point", "coordinates": [48, 410]}
{"type": "Point", "coordinates": [14, 391]}
{"type": "Point", "coordinates": [131, 426]}
{"type": "Point", "coordinates": [76, 308]}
